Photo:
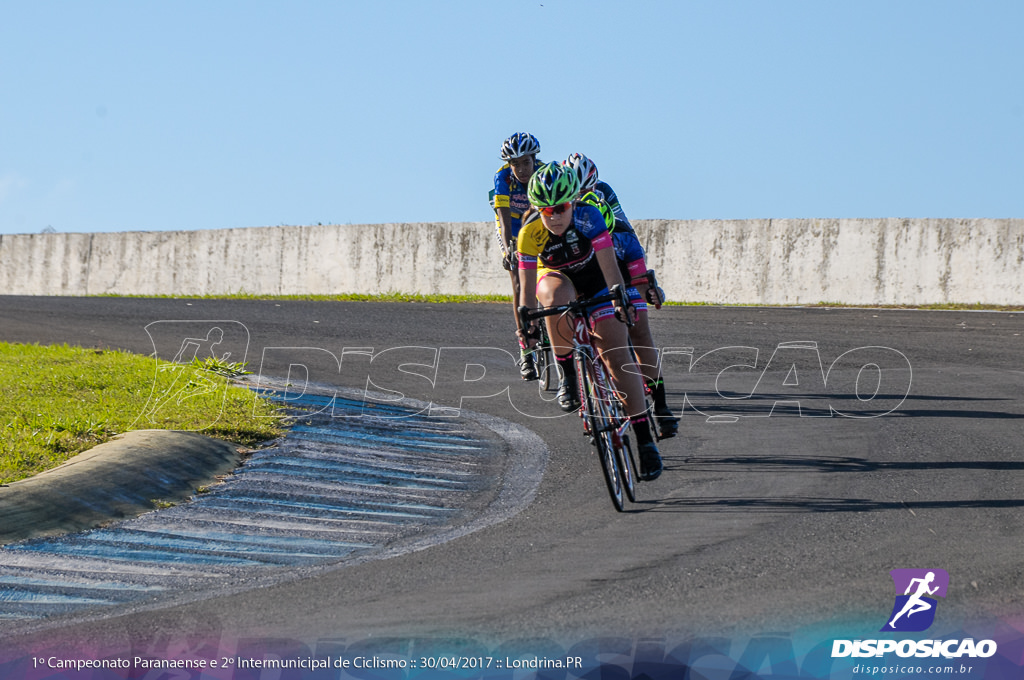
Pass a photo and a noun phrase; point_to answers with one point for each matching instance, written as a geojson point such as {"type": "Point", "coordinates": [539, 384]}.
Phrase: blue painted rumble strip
{"type": "Point", "coordinates": [333, 488]}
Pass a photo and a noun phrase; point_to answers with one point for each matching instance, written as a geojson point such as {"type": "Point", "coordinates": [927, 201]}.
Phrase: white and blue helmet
{"type": "Point", "coordinates": [518, 145]}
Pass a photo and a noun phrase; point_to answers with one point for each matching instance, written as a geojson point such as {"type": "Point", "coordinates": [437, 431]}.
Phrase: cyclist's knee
{"type": "Point", "coordinates": [607, 328]}
{"type": "Point", "coordinates": [554, 290]}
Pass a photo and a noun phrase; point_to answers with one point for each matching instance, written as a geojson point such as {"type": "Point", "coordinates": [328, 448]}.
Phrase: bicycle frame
{"type": "Point", "coordinates": [601, 409]}
{"type": "Point", "coordinates": [583, 355]}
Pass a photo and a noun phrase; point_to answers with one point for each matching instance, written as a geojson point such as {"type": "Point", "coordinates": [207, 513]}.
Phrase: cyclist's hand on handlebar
{"type": "Point", "coordinates": [523, 321]}
{"type": "Point", "coordinates": [626, 315]}
{"type": "Point", "coordinates": [529, 334]}
{"type": "Point", "coordinates": [656, 297]}
{"type": "Point", "coordinates": [624, 309]}
{"type": "Point", "coordinates": [509, 262]}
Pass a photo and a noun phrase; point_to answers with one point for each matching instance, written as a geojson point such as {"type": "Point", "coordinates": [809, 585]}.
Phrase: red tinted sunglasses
{"type": "Point", "coordinates": [555, 209]}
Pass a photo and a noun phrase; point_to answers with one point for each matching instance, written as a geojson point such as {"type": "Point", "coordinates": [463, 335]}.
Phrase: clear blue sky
{"type": "Point", "coordinates": [199, 115]}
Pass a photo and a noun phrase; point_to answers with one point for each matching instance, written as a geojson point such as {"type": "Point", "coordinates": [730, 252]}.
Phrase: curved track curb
{"type": "Point", "coordinates": [115, 480]}
{"type": "Point", "coordinates": [338, 490]}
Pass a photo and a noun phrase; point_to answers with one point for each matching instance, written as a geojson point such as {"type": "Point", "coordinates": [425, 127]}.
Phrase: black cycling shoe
{"type": "Point", "coordinates": [528, 368]}
{"type": "Point", "coordinates": [650, 461]}
{"type": "Point", "coordinates": [566, 396]}
{"type": "Point", "coordinates": [667, 423]}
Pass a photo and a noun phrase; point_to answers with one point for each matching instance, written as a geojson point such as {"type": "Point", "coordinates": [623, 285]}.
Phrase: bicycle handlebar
{"type": "Point", "coordinates": [579, 306]}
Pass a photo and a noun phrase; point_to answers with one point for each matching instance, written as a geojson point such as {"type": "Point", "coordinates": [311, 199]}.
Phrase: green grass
{"type": "Point", "coordinates": [507, 299]}
{"type": "Point", "coordinates": [340, 297]}
{"type": "Point", "coordinates": [938, 306]}
{"type": "Point", "coordinates": [57, 401]}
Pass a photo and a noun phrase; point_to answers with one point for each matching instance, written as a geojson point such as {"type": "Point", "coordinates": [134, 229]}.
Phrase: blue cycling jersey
{"type": "Point", "coordinates": [510, 193]}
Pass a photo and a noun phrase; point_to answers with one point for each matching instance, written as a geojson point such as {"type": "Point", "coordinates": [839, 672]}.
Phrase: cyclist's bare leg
{"type": "Point", "coordinates": [643, 344]}
{"type": "Point", "coordinates": [516, 297]}
{"type": "Point", "coordinates": [612, 341]}
{"type": "Point", "coordinates": [527, 362]}
{"type": "Point", "coordinates": [611, 338]}
{"type": "Point", "coordinates": [555, 289]}
{"type": "Point", "coordinates": [643, 339]}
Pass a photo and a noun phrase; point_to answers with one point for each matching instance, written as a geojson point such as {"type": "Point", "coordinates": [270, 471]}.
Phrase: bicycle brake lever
{"type": "Point", "coordinates": [524, 319]}
{"type": "Point", "coordinates": [624, 305]}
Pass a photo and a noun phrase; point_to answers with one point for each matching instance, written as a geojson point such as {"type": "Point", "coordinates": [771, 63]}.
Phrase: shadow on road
{"type": "Point", "coordinates": [833, 464]}
{"type": "Point", "coordinates": [832, 405]}
{"type": "Point", "coordinates": [806, 504]}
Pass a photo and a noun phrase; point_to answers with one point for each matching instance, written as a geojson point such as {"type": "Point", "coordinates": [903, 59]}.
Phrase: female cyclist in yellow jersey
{"type": "Point", "coordinates": [569, 245]}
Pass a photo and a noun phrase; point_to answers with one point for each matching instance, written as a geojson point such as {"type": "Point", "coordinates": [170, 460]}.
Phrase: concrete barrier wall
{"type": "Point", "coordinates": [884, 261]}
{"type": "Point", "coordinates": [855, 261]}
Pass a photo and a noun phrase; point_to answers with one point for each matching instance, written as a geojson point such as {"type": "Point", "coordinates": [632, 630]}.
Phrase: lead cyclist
{"type": "Point", "coordinates": [566, 253]}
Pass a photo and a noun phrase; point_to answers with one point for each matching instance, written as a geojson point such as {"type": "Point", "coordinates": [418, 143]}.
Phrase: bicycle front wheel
{"type": "Point", "coordinates": [602, 428]}
{"type": "Point", "coordinates": [627, 459]}
{"type": "Point", "coordinates": [546, 364]}
{"type": "Point", "coordinates": [618, 440]}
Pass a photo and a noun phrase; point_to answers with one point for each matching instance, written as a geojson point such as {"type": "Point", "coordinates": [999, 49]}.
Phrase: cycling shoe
{"type": "Point", "coordinates": [566, 396]}
{"type": "Point", "coordinates": [667, 423]}
{"type": "Point", "coordinates": [528, 368]}
{"type": "Point", "coordinates": [650, 462]}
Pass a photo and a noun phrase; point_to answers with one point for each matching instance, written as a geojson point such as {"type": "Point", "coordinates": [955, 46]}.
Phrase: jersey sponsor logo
{"type": "Point", "coordinates": [572, 239]}
{"type": "Point", "coordinates": [519, 202]}
{"type": "Point", "coordinates": [552, 255]}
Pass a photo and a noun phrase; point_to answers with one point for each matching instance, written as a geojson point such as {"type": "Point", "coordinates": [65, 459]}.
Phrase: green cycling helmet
{"type": "Point", "coordinates": [590, 198]}
{"type": "Point", "coordinates": [553, 184]}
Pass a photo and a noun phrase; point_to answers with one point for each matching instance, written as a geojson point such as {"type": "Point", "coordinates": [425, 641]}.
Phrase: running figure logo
{"type": "Point", "coordinates": [914, 609]}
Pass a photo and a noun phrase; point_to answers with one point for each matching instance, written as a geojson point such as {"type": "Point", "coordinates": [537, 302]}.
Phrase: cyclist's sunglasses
{"type": "Point", "coordinates": [555, 209]}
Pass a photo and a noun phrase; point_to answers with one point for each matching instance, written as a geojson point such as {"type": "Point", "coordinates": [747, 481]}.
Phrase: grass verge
{"type": "Point", "coordinates": [507, 299]}
{"type": "Point", "coordinates": [57, 401]}
{"type": "Point", "coordinates": [340, 297]}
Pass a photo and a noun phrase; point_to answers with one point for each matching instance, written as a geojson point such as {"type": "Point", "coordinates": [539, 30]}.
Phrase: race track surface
{"type": "Point", "coordinates": [818, 450]}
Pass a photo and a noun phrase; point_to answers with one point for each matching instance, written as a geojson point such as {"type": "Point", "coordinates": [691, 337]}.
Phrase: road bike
{"type": "Point", "coordinates": [601, 408]}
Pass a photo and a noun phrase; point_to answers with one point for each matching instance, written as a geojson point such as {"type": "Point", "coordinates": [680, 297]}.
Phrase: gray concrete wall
{"type": "Point", "coordinates": [854, 261]}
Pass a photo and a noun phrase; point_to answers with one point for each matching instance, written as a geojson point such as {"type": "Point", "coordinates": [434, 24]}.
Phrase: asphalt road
{"type": "Point", "coordinates": [770, 516]}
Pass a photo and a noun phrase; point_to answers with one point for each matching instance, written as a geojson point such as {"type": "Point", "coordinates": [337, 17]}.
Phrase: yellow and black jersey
{"type": "Point", "coordinates": [573, 253]}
